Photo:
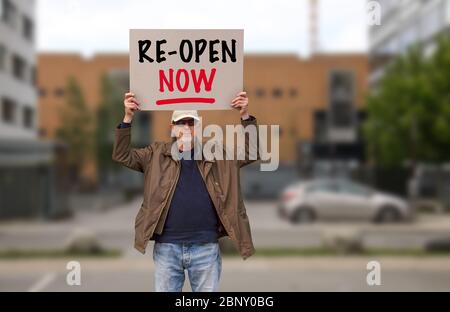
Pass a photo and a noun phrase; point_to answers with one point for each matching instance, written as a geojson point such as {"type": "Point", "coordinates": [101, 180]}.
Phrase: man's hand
{"type": "Point", "coordinates": [240, 102]}
{"type": "Point", "coordinates": [131, 105]}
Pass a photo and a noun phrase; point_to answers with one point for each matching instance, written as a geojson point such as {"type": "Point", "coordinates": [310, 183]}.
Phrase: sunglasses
{"type": "Point", "coordinates": [182, 122]}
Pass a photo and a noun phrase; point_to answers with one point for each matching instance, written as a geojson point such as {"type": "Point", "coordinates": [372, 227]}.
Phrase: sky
{"type": "Point", "coordinates": [277, 26]}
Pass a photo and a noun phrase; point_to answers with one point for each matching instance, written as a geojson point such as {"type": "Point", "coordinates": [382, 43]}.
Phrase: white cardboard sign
{"type": "Point", "coordinates": [186, 69]}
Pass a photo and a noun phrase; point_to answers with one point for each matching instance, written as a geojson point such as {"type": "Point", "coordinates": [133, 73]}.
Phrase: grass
{"type": "Point", "coordinates": [324, 252]}
{"type": "Point", "coordinates": [56, 253]}
{"type": "Point", "coordinates": [260, 252]}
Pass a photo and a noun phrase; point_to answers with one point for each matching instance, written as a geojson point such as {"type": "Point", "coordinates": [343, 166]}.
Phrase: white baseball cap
{"type": "Point", "coordinates": [180, 114]}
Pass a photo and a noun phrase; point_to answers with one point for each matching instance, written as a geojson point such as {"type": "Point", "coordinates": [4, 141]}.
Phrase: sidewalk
{"type": "Point", "coordinates": [254, 274]}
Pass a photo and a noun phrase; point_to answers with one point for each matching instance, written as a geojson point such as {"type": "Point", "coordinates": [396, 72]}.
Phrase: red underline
{"type": "Point", "coordinates": [186, 100]}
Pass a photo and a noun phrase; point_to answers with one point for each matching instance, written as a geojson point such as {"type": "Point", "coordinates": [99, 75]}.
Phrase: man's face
{"type": "Point", "coordinates": [183, 129]}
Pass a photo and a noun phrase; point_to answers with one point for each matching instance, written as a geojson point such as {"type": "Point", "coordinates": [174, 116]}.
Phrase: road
{"type": "Point", "coordinates": [134, 272]}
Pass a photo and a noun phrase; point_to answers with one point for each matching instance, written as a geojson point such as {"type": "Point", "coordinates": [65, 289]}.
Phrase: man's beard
{"type": "Point", "coordinates": [185, 139]}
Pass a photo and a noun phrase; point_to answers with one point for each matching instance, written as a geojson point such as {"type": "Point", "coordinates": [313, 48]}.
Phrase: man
{"type": "Point", "coordinates": [188, 204]}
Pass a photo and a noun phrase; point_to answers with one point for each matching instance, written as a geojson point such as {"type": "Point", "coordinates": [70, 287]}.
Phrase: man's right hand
{"type": "Point", "coordinates": [131, 105]}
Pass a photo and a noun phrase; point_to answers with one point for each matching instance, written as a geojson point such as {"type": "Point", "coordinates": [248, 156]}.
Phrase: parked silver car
{"type": "Point", "coordinates": [340, 199]}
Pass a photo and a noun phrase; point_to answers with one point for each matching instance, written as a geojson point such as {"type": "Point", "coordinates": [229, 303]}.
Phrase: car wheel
{"type": "Point", "coordinates": [388, 215]}
{"type": "Point", "coordinates": [303, 215]}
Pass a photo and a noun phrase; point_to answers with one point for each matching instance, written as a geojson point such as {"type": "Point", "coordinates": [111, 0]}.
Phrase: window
{"type": "Point", "coordinates": [293, 92]}
{"type": "Point", "coordinates": [260, 92]}
{"type": "Point", "coordinates": [409, 35]}
{"type": "Point", "coordinates": [33, 75]}
{"type": "Point", "coordinates": [8, 110]}
{"type": "Point", "coordinates": [28, 117]}
{"type": "Point", "coordinates": [142, 129]}
{"type": "Point", "coordinates": [27, 28]}
{"type": "Point", "coordinates": [341, 99]}
{"type": "Point", "coordinates": [8, 12]}
{"type": "Point", "coordinates": [18, 67]}
{"type": "Point", "coordinates": [277, 92]}
{"type": "Point", "coordinates": [320, 126]}
{"type": "Point", "coordinates": [42, 132]}
{"type": "Point", "coordinates": [431, 22]}
{"type": "Point", "coordinates": [2, 57]}
{"type": "Point", "coordinates": [319, 187]}
{"type": "Point", "coordinates": [59, 92]}
{"type": "Point", "coordinates": [353, 189]}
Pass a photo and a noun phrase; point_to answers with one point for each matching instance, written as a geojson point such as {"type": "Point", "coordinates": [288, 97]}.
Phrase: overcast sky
{"type": "Point", "coordinates": [92, 26]}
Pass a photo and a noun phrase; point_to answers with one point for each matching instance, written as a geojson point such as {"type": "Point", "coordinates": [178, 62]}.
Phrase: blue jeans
{"type": "Point", "coordinates": [203, 263]}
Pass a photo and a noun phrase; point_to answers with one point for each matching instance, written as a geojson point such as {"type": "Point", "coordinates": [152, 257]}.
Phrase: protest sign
{"type": "Point", "coordinates": [186, 69]}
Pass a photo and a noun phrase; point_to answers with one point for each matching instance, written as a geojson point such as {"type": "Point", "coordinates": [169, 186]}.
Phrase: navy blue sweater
{"type": "Point", "coordinates": [192, 217]}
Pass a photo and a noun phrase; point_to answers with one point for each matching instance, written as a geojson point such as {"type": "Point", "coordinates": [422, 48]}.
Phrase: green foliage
{"type": "Point", "coordinates": [76, 125]}
{"type": "Point", "coordinates": [409, 113]}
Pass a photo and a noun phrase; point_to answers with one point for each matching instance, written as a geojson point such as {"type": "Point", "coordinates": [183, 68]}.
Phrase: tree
{"type": "Point", "coordinates": [109, 113]}
{"type": "Point", "coordinates": [76, 127]}
{"type": "Point", "coordinates": [409, 113]}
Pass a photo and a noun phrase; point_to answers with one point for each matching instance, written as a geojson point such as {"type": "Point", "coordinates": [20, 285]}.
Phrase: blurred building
{"type": "Point", "coordinates": [404, 23]}
{"type": "Point", "coordinates": [26, 176]}
{"type": "Point", "coordinates": [318, 102]}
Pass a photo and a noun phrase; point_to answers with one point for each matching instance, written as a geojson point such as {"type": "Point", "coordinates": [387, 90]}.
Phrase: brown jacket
{"type": "Point", "coordinates": [161, 174]}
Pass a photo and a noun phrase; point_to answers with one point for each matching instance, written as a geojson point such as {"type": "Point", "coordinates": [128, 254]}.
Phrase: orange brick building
{"type": "Point", "coordinates": [313, 100]}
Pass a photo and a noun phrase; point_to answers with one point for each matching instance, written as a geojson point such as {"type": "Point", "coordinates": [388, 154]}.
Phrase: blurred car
{"type": "Point", "coordinates": [305, 202]}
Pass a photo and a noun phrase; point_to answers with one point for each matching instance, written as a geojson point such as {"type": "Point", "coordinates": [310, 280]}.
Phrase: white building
{"type": "Point", "coordinates": [18, 95]}
{"type": "Point", "coordinates": [403, 23]}
{"type": "Point", "coordinates": [28, 185]}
